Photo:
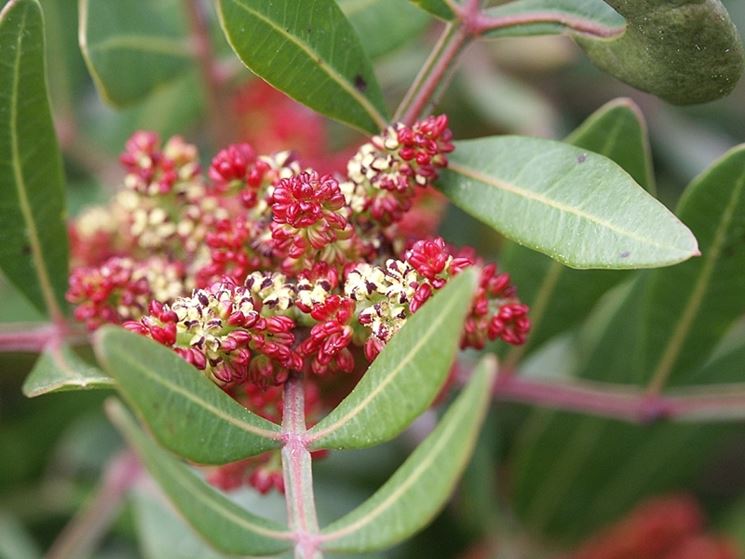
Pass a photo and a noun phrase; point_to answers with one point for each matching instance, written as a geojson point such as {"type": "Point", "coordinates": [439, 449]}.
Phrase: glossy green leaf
{"type": "Point", "coordinates": [310, 51]}
{"type": "Point", "coordinates": [405, 378]}
{"type": "Point", "coordinates": [185, 411]}
{"type": "Point", "coordinates": [437, 8]}
{"type": "Point", "coordinates": [33, 252]}
{"type": "Point", "coordinates": [578, 207]}
{"type": "Point", "coordinates": [685, 51]}
{"type": "Point", "coordinates": [692, 305]}
{"type": "Point", "coordinates": [421, 486]}
{"type": "Point", "coordinates": [384, 25]}
{"type": "Point", "coordinates": [59, 369]}
{"type": "Point", "coordinates": [593, 18]}
{"type": "Point", "coordinates": [219, 520]}
{"type": "Point", "coordinates": [133, 48]}
{"type": "Point", "coordinates": [560, 298]}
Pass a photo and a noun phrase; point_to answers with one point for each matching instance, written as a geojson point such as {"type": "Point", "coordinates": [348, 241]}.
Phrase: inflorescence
{"type": "Point", "coordinates": [263, 268]}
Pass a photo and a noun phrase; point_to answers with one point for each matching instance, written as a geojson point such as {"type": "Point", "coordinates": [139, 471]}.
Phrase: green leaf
{"type": "Point", "coordinates": [552, 17]}
{"type": "Point", "coordinates": [560, 298]}
{"type": "Point", "coordinates": [33, 252]}
{"type": "Point", "coordinates": [420, 487]}
{"type": "Point", "coordinates": [15, 541]}
{"type": "Point", "coordinates": [692, 305]}
{"type": "Point", "coordinates": [405, 378]}
{"type": "Point", "coordinates": [685, 51]}
{"type": "Point", "coordinates": [437, 8]}
{"type": "Point", "coordinates": [578, 207]}
{"type": "Point", "coordinates": [186, 412]}
{"type": "Point", "coordinates": [60, 369]}
{"type": "Point", "coordinates": [133, 48]}
{"type": "Point", "coordinates": [383, 25]}
{"type": "Point", "coordinates": [220, 521]}
{"type": "Point", "coordinates": [309, 51]}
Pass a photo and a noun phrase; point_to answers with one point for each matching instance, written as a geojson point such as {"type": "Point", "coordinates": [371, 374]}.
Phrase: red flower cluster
{"type": "Point", "coordinates": [663, 528]}
{"type": "Point", "coordinates": [265, 268]}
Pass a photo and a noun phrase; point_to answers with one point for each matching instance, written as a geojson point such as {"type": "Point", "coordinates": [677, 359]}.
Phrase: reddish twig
{"type": "Point", "coordinates": [34, 337]}
{"type": "Point", "coordinates": [484, 23]}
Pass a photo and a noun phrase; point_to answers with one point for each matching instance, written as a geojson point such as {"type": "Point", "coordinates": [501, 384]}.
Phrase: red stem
{"type": "Point", "coordinates": [624, 403]}
{"type": "Point", "coordinates": [297, 472]}
{"type": "Point", "coordinates": [34, 337]}
{"type": "Point", "coordinates": [483, 23]}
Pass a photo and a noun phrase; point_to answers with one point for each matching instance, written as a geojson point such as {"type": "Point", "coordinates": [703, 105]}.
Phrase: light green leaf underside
{"type": "Point", "coordinates": [551, 17]}
{"type": "Point", "coordinates": [33, 251]}
{"type": "Point", "coordinates": [60, 369]}
{"type": "Point", "coordinates": [578, 207]}
{"type": "Point", "coordinates": [185, 411]}
{"type": "Point", "coordinates": [405, 378]}
{"type": "Point", "coordinates": [384, 25]}
{"type": "Point", "coordinates": [309, 51]}
{"type": "Point", "coordinates": [224, 524]}
{"type": "Point", "coordinates": [692, 305]}
{"type": "Point", "coordinates": [618, 131]}
{"type": "Point", "coordinates": [133, 48]}
{"type": "Point", "coordinates": [422, 485]}
{"type": "Point", "coordinates": [685, 51]}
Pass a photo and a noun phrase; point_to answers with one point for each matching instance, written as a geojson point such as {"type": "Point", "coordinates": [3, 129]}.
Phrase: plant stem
{"type": "Point", "coordinates": [86, 529]}
{"type": "Point", "coordinates": [34, 337]}
{"type": "Point", "coordinates": [484, 23]}
{"type": "Point", "coordinates": [297, 472]}
{"type": "Point", "coordinates": [624, 402]}
{"type": "Point", "coordinates": [219, 123]}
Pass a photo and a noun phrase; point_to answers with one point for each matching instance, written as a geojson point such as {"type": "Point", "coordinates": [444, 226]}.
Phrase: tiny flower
{"type": "Point", "coordinates": [328, 341]}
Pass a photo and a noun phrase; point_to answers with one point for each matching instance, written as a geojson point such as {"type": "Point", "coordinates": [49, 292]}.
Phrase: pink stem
{"type": "Point", "coordinates": [35, 337]}
{"type": "Point", "coordinates": [483, 23]}
{"type": "Point", "coordinates": [624, 403]}
{"type": "Point", "coordinates": [297, 472]}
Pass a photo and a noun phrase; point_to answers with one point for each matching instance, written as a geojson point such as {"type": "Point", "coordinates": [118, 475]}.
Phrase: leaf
{"type": "Point", "coordinates": [692, 305]}
{"type": "Point", "coordinates": [221, 522]}
{"type": "Point", "coordinates": [685, 51]}
{"type": "Point", "coordinates": [133, 48]}
{"type": "Point", "coordinates": [578, 207]}
{"type": "Point", "coordinates": [33, 252]}
{"type": "Point", "coordinates": [383, 25]}
{"type": "Point", "coordinates": [405, 378]}
{"type": "Point", "coordinates": [15, 541]}
{"type": "Point", "coordinates": [437, 8]}
{"type": "Point", "coordinates": [186, 412]}
{"type": "Point", "coordinates": [60, 369]}
{"type": "Point", "coordinates": [560, 298]}
{"type": "Point", "coordinates": [309, 51]}
{"type": "Point", "coordinates": [552, 17]}
{"type": "Point", "coordinates": [420, 487]}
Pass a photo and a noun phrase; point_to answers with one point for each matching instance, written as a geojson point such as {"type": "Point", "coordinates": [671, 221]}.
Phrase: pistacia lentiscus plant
{"type": "Point", "coordinates": [280, 300]}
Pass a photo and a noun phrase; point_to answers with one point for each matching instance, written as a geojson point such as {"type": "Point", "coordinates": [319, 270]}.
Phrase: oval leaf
{"type": "Point", "coordinates": [437, 8]}
{"type": "Point", "coordinates": [686, 51]}
{"type": "Point", "coordinates": [618, 131]}
{"type": "Point", "coordinates": [60, 369]}
{"type": "Point", "coordinates": [578, 207]}
{"type": "Point", "coordinates": [309, 51]}
{"type": "Point", "coordinates": [33, 251]}
{"type": "Point", "coordinates": [593, 18]}
{"type": "Point", "coordinates": [220, 521]}
{"type": "Point", "coordinates": [692, 305]}
{"type": "Point", "coordinates": [133, 48]}
{"type": "Point", "coordinates": [405, 378]}
{"type": "Point", "coordinates": [186, 412]}
{"type": "Point", "coordinates": [421, 486]}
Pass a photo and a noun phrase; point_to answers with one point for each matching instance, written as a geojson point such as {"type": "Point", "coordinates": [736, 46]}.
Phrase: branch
{"type": "Point", "coordinates": [297, 472]}
{"type": "Point", "coordinates": [626, 403]}
{"type": "Point", "coordinates": [85, 530]}
{"type": "Point", "coordinates": [34, 337]}
{"type": "Point", "coordinates": [484, 23]}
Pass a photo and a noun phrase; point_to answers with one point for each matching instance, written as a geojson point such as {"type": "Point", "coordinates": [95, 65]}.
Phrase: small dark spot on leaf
{"type": "Point", "coordinates": [625, 254]}
{"type": "Point", "coordinates": [581, 158]}
{"type": "Point", "coordinates": [26, 249]}
{"type": "Point", "coordinates": [360, 83]}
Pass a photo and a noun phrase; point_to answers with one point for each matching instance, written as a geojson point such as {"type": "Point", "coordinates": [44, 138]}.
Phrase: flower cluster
{"type": "Point", "coordinates": [669, 527]}
{"type": "Point", "coordinates": [264, 267]}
